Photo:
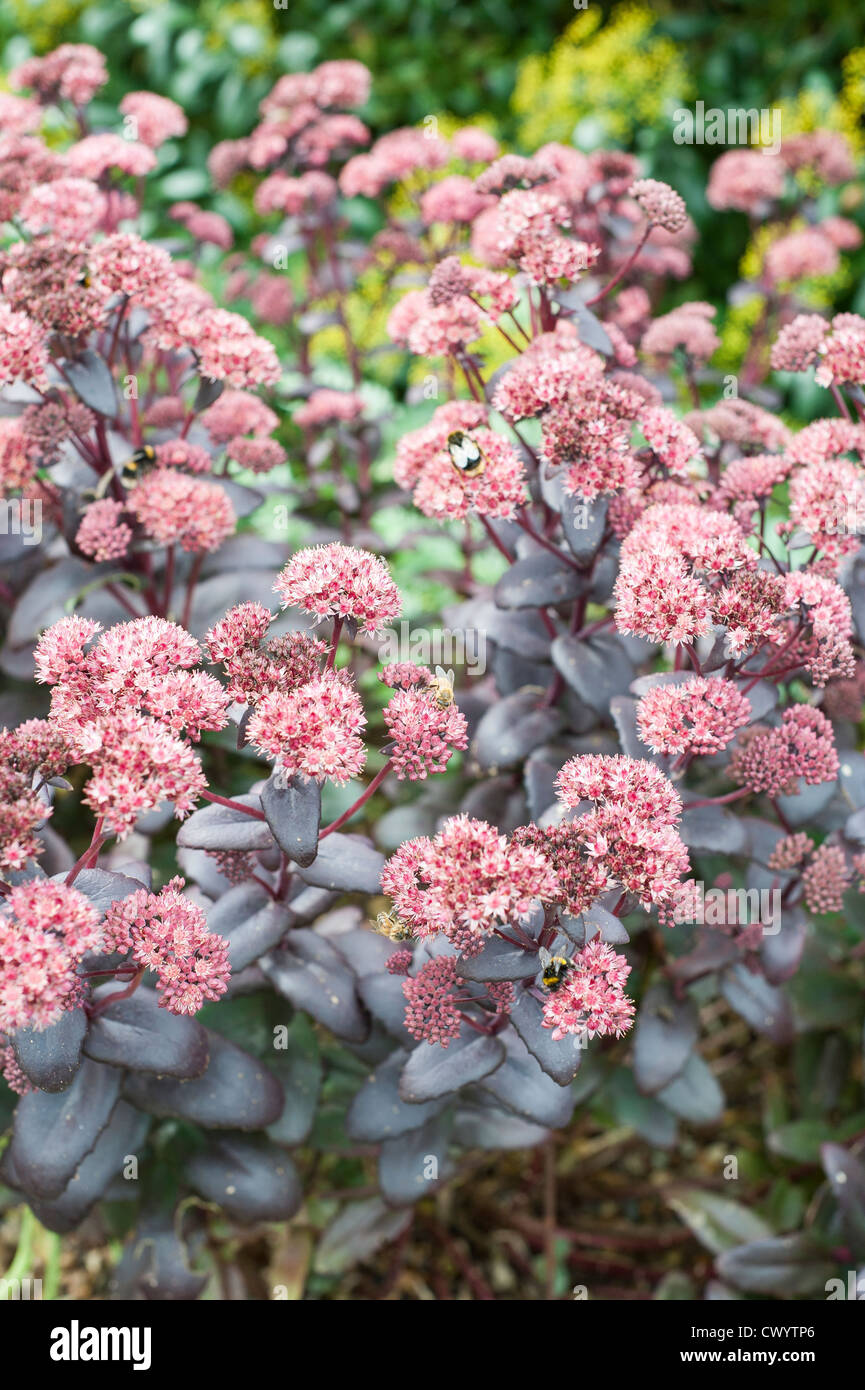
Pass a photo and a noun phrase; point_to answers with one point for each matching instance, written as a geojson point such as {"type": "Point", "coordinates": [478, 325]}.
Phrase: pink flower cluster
{"type": "Point", "coordinates": [127, 708]}
{"type": "Point", "coordinates": [340, 581]}
{"type": "Point", "coordinates": [773, 760]}
{"type": "Point", "coordinates": [591, 1001]}
{"type": "Point", "coordinates": [166, 933]}
{"type": "Point", "coordinates": [465, 882]}
{"type": "Point", "coordinates": [45, 930]}
{"type": "Point", "coordinates": [700, 716]}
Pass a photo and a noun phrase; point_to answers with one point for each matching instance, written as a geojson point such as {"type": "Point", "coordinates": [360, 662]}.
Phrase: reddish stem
{"type": "Point", "coordinates": [234, 805]}
{"type": "Point", "coordinates": [364, 797]}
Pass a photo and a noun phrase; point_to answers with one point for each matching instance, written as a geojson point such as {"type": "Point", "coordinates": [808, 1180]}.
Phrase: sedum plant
{"type": "Point", "coordinates": [415, 917]}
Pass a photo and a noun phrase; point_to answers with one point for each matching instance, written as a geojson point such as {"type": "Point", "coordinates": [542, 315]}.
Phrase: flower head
{"type": "Point", "coordinates": [340, 581]}
{"type": "Point", "coordinates": [166, 933]}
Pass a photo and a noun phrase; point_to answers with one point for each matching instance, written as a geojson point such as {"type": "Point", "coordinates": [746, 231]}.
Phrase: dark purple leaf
{"type": "Point", "coordinates": [53, 1133]}
{"type": "Point", "coordinates": [345, 864]}
{"type": "Point", "coordinates": [665, 1036]}
{"type": "Point", "coordinates": [138, 1034]}
{"type": "Point", "coordinates": [122, 1138]}
{"type": "Point", "coordinates": [378, 1111]}
{"type": "Point", "coordinates": [415, 1164]}
{"type": "Point", "coordinates": [293, 811]}
{"type": "Point", "coordinates": [221, 827]}
{"type": "Point", "coordinates": [50, 1058]}
{"type": "Point", "coordinates": [250, 921]}
{"type": "Point", "coordinates": [236, 1091]}
{"type": "Point", "coordinates": [309, 972]}
{"type": "Point", "coordinates": [432, 1071]}
{"type": "Point", "coordinates": [250, 1179]}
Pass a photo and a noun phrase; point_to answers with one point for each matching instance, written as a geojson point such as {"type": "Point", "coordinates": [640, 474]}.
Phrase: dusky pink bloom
{"type": "Point", "coordinates": [327, 407]}
{"type": "Point", "coordinates": [179, 453]}
{"type": "Point", "coordinates": [68, 207]}
{"type": "Point", "coordinates": [444, 493]}
{"type": "Point", "coordinates": [419, 448]}
{"type": "Point", "coordinates": [423, 735]}
{"type": "Point", "coordinates": [672, 441]}
{"type": "Point", "coordinates": [137, 764]}
{"type": "Point", "coordinates": [799, 255]}
{"type": "Point", "coordinates": [404, 675]}
{"type": "Point", "coordinates": [228, 348]}
{"type": "Point", "coordinates": [258, 455]}
{"type": "Point", "coordinates": [826, 152]}
{"type": "Point", "coordinates": [842, 353]}
{"type": "Point", "coordinates": [174, 508]}
{"type": "Point", "coordinates": [97, 155]}
{"type": "Point", "coordinates": [841, 232]}
{"type": "Point", "coordinates": [432, 1015]}
{"type": "Point", "coordinates": [753, 476]}
{"type": "Point", "coordinates": [827, 500]}
{"type": "Point", "coordinates": [73, 72]}
{"type": "Point", "coordinates": [205, 226]}
{"type": "Point", "coordinates": [552, 368]}
{"type": "Point", "coordinates": [746, 180]}
{"type": "Point", "coordinates": [751, 605]}
{"type": "Point", "coordinates": [340, 581]}
{"type": "Point", "coordinates": [9, 1068]}
{"type": "Point", "coordinates": [45, 930]}
{"type": "Point", "coordinates": [19, 115]}
{"type": "Point", "coordinates": [46, 427]}
{"type": "Point", "coordinates": [393, 157]}
{"type": "Point", "coordinates": [465, 882]}
{"type": "Point", "coordinates": [663, 206]}
{"type": "Point", "coordinates": [23, 349]}
{"type": "Point", "coordinates": [252, 669]}
{"type": "Point", "coordinates": [314, 730]}
{"type": "Point", "coordinates": [474, 145]}
{"type": "Point", "coordinates": [591, 1000]}
{"type": "Point", "coordinates": [29, 754]}
{"type": "Point", "coordinates": [453, 199]}
{"type": "Point", "coordinates": [156, 118]}
{"type": "Point", "coordinates": [797, 345]}
{"type": "Point", "coordinates": [689, 327]}
{"type": "Point", "coordinates": [790, 852]}
{"type": "Point", "coordinates": [773, 760]}
{"type": "Point", "coordinates": [238, 412]}
{"type": "Point", "coordinates": [825, 880]}
{"type": "Point", "coordinates": [740, 422]}
{"type": "Point", "coordinates": [632, 785]}
{"type": "Point", "coordinates": [590, 435]}
{"type": "Point", "coordinates": [166, 933]}
{"type": "Point", "coordinates": [102, 535]}
{"type": "Point", "coordinates": [827, 439]}
{"type": "Point", "coordinates": [700, 716]}
{"type": "Point", "coordinates": [631, 832]}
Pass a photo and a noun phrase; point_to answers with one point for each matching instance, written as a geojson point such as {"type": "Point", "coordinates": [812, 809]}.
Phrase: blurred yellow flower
{"type": "Point", "coordinates": [621, 75]}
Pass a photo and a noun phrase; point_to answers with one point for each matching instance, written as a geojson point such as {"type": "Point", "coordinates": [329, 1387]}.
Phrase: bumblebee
{"type": "Point", "coordinates": [389, 925]}
{"type": "Point", "coordinates": [83, 279]}
{"type": "Point", "coordinates": [135, 466]}
{"type": "Point", "coordinates": [131, 472]}
{"type": "Point", "coordinates": [442, 686]}
{"type": "Point", "coordinates": [467, 456]}
{"type": "Point", "coordinates": [555, 969]}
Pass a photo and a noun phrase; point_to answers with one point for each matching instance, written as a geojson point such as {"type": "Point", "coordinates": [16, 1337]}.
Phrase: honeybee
{"type": "Point", "coordinates": [555, 969]}
{"type": "Point", "coordinates": [442, 686]}
{"type": "Point", "coordinates": [389, 925]}
{"type": "Point", "coordinates": [131, 472]}
{"type": "Point", "coordinates": [467, 456]}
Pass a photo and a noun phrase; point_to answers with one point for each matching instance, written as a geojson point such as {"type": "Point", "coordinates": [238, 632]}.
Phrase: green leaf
{"type": "Point", "coordinates": [719, 1223]}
